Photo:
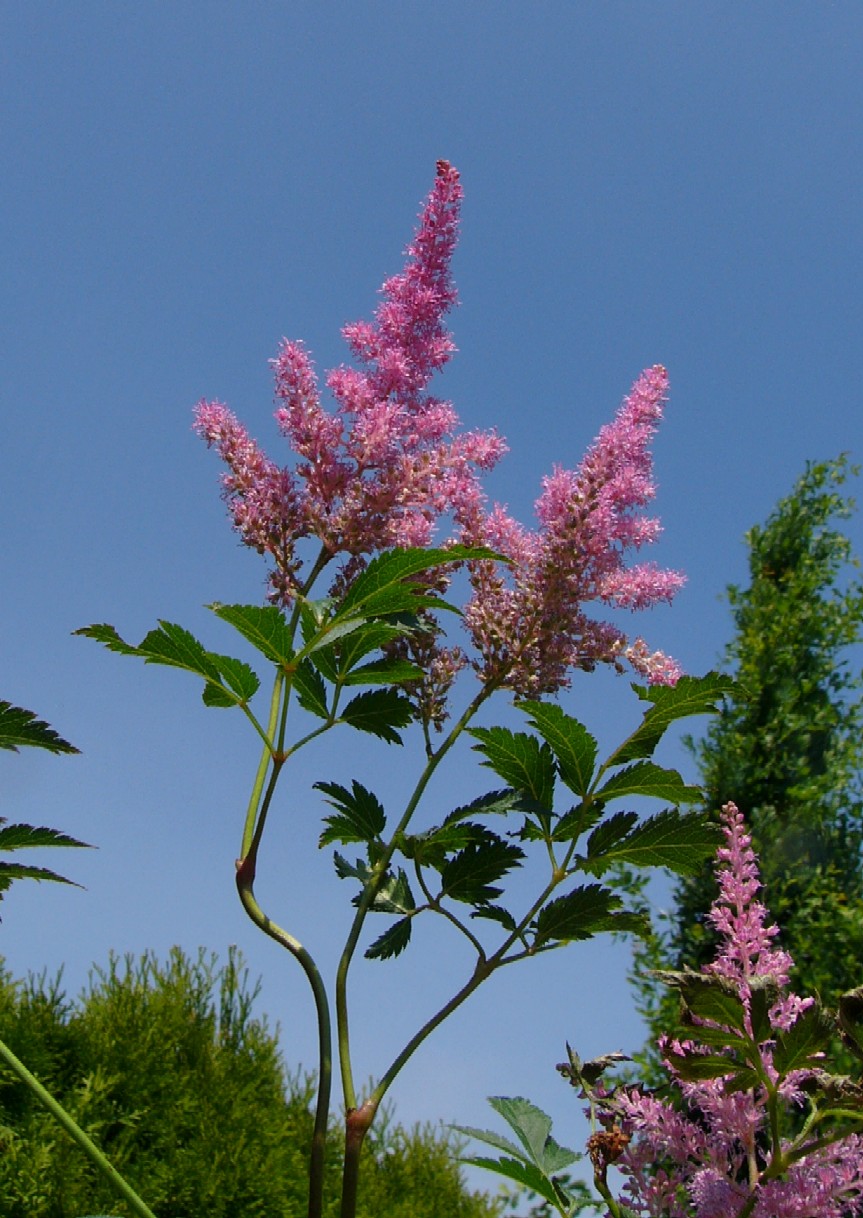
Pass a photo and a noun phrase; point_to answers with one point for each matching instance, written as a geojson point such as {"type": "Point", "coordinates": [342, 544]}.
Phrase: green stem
{"type": "Point", "coordinates": [482, 971]}
{"type": "Point", "coordinates": [263, 764]}
{"type": "Point", "coordinates": [372, 888]}
{"type": "Point", "coordinates": [245, 887]}
{"type": "Point", "coordinates": [77, 1134]}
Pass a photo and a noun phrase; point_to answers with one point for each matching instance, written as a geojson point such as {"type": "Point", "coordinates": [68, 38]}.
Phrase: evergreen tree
{"type": "Point", "coordinates": [788, 747]}
{"type": "Point", "coordinates": [165, 1066]}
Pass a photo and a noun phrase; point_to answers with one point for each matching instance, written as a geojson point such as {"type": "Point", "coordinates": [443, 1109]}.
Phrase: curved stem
{"type": "Point", "coordinates": [245, 887]}
{"type": "Point", "coordinates": [77, 1134]}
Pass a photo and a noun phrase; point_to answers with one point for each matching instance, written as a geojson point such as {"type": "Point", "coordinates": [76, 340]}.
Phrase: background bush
{"type": "Point", "coordinates": [167, 1068]}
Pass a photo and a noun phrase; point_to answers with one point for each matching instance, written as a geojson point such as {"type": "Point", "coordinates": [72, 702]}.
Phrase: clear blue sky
{"type": "Point", "coordinates": [180, 186]}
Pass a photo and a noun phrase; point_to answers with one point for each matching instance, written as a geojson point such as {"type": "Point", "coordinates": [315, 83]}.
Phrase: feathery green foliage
{"type": "Point", "coordinates": [168, 1069]}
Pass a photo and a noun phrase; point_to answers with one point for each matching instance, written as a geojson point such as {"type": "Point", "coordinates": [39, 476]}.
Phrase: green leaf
{"type": "Point", "coordinates": [609, 832]}
{"type": "Point", "coordinates": [490, 1138]}
{"type": "Point", "coordinates": [578, 820]}
{"type": "Point", "coordinates": [493, 803]}
{"type": "Point", "coordinates": [392, 942]}
{"type": "Point", "coordinates": [360, 818]}
{"type": "Point", "coordinates": [707, 996]}
{"type": "Point", "coordinates": [384, 672]}
{"type": "Point", "coordinates": [17, 837]}
{"type": "Point", "coordinates": [694, 1067]}
{"type": "Point", "coordinates": [470, 875]}
{"type": "Point", "coordinates": [19, 871]}
{"type": "Point", "coordinates": [238, 676]}
{"type": "Point", "coordinates": [520, 760]}
{"type": "Point", "coordinates": [19, 727]}
{"type": "Point", "coordinates": [572, 744]}
{"type": "Point", "coordinates": [808, 1035]}
{"type": "Point", "coordinates": [432, 848]}
{"type": "Point", "coordinates": [175, 647]}
{"type": "Point", "coordinates": [681, 843]}
{"type": "Point", "coordinates": [646, 778]}
{"type": "Point", "coordinates": [336, 660]}
{"type": "Point", "coordinates": [690, 696]}
{"type": "Point", "coordinates": [386, 587]}
{"type": "Point", "coordinates": [394, 895]}
{"type": "Point", "coordinates": [347, 871]}
{"type": "Point", "coordinates": [520, 1170]}
{"type": "Point", "coordinates": [264, 626]}
{"type": "Point", "coordinates": [380, 712]}
{"type": "Point", "coordinates": [311, 691]}
{"type": "Point", "coordinates": [496, 913]}
{"type": "Point", "coordinates": [582, 913]}
{"type": "Point", "coordinates": [532, 1127]}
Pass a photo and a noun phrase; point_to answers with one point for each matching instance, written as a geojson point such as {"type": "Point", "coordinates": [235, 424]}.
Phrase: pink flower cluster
{"type": "Point", "coordinates": [705, 1159]}
{"type": "Point", "coordinates": [380, 470]}
{"type": "Point", "coordinates": [529, 624]}
{"type": "Point", "coordinates": [389, 462]}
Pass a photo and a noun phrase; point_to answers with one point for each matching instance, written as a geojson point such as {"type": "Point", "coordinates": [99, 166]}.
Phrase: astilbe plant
{"type": "Point", "coordinates": [730, 1149]}
{"type": "Point", "coordinates": [752, 1123]}
{"type": "Point", "coordinates": [362, 531]}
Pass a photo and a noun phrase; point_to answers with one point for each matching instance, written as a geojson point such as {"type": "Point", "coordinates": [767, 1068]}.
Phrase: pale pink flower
{"type": "Point", "coordinates": [695, 1159]}
{"type": "Point", "coordinates": [388, 463]}
{"type": "Point", "coordinates": [529, 623]}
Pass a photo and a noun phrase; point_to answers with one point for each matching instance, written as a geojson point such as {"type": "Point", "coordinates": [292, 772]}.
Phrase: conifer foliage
{"type": "Point", "coordinates": [788, 748]}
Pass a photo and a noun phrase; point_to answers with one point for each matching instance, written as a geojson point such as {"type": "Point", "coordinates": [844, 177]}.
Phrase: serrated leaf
{"type": "Point", "coordinates": [572, 744]}
{"type": "Point", "coordinates": [678, 842]}
{"type": "Point", "coordinates": [471, 874]}
{"type": "Point", "coordinates": [490, 1138]}
{"type": "Point", "coordinates": [360, 818]}
{"type": "Point", "coordinates": [241, 681]}
{"type": "Point", "coordinates": [380, 712]}
{"type": "Point", "coordinates": [807, 1036]}
{"type": "Point", "coordinates": [19, 727]}
{"type": "Point", "coordinates": [432, 847]}
{"type": "Point", "coordinates": [690, 696]}
{"type": "Point", "coordinates": [347, 871]}
{"type": "Point", "coordinates": [392, 942]}
{"type": "Point", "coordinates": [521, 760]}
{"type": "Point", "coordinates": [532, 1127]}
{"type": "Point", "coordinates": [519, 1170]}
{"type": "Point", "coordinates": [609, 833]}
{"type": "Point", "coordinates": [493, 803]}
{"type": "Point", "coordinates": [311, 691]}
{"type": "Point", "coordinates": [384, 672]}
{"type": "Point", "coordinates": [176, 647]}
{"type": "Point", "coordinates": [646, 778]}
{"type": "Point", "coordinates": [238, 676]}
{"type": "Point", "coordinates": [335, 660]}
{"type": "Point", "coordinates": [586, 911]}
{"type": "Point", "coordinates": [17, 837]}
{"type": "Point", "coordinates": [385, 586]}
{"type": "Point", "coordinates": [20, 871]}
{"type": "Point", "coordinates": [694, 1067]}
{"type": "Point", "coordinates": [394, 895]}
{"type": "Point", "coordinates": [496, 913]}
{"type": "Point", "coordinates": [263, 626]}
{"type": "Point", "coordinates": [578, 820]}
{"type": "Point", "coordinates": [707, 996]}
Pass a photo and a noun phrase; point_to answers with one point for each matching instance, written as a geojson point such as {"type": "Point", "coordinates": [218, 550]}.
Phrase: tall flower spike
{"type": "Point", "coordinates": [530, 626]}
{"type": "Point", "coordinates": [383, 467]}
{"type": "Point", "coordinates": [707, 1156]}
